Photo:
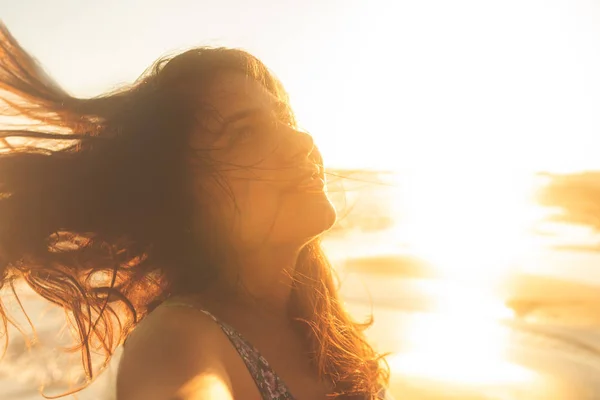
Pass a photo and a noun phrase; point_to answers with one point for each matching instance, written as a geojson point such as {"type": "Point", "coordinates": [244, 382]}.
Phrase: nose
{"type": "Point", "coordinates": [302, 147]}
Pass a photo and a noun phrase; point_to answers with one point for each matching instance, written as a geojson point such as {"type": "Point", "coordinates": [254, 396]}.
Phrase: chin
{"type": "Point", "coordinates": [329, 217]}
{"type": "Point", "coordinates": [305, 217]}
{"type": "Point", "coordinates": [317, 218]}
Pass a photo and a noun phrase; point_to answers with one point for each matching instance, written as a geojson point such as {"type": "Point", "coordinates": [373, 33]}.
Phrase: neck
{"type": "Point", "coordinates": [262, 280]}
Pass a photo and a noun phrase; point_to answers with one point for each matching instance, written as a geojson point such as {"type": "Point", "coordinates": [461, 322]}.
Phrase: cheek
{"type": "Point", "coordinates": [243, 210]}
{"type": "Point", "coordinates": [257, 207]}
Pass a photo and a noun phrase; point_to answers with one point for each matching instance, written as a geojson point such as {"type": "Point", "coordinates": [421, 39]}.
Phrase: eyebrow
{"type": "Point", "coordinates": [240, 115]}
{"type": "Point", "coordinates": [278, 106]}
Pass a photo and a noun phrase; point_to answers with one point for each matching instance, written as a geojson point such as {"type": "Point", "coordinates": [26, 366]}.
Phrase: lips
{"type": "Point", "coordinates": [314, 183]}
{"type": "Point", "coordinates": [313, 178]}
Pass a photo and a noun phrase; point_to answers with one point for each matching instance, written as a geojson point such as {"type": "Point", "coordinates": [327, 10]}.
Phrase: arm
{"type": "Point", "coordinates": [174, 354]}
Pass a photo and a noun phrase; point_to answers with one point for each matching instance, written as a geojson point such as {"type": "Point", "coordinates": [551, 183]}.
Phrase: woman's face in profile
{"type": "Point", "coordinates": [271, 190]}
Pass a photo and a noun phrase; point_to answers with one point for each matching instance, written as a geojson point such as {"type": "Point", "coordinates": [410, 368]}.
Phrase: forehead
{"type": "Point", "coordinates": [232, 93]}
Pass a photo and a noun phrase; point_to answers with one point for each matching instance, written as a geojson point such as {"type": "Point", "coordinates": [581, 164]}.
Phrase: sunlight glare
{"type": "Point", "coordinates": [462, 343]}
{"type": "Point", "coordinates": [471, 225]}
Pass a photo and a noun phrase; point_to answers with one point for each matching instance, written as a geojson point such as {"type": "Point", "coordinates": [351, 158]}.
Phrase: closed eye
{"type": "Point", "coordinates": [254, 127]}
{"type": "Point", "coordinates": [244, 132]}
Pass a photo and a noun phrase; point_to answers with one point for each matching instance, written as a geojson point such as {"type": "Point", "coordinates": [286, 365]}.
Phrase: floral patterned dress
{"type": "Point", "coordinates": [270, 386]}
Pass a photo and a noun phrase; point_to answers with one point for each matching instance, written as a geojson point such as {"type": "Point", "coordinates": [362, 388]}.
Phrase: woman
{"type": "Point", "coordinates": [187, 206]}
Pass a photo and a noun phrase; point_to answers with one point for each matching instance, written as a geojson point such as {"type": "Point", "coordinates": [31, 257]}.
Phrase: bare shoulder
{"type": "Point", "coordinates": [175, 353]}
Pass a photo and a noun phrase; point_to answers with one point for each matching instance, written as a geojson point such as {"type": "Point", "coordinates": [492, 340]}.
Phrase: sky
{"type": "Point", "coordinates": [429, 85]}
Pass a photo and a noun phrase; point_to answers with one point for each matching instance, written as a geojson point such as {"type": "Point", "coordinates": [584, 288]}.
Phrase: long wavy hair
{"type": "Point", "coordinates": [94, 210]}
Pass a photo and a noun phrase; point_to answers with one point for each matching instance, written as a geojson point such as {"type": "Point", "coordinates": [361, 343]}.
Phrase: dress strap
{"type": "Point", "coordinates": [270, 386]}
